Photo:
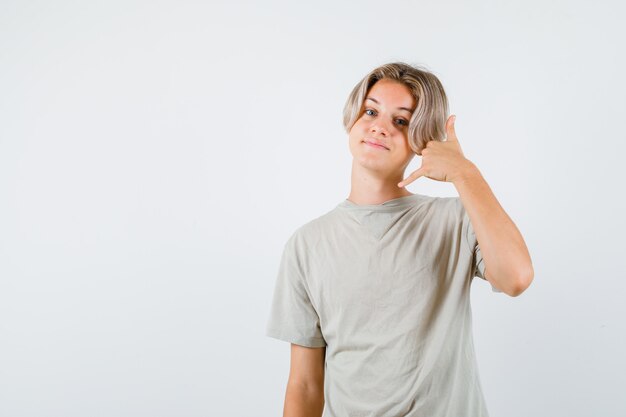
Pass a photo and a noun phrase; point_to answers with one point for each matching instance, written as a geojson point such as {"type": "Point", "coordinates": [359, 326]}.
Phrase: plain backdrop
{"type": "Point", "coordinates": [156, 155]}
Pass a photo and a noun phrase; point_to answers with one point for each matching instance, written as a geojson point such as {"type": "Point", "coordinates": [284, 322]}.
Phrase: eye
{"type": "Point", "coordinates": [403, 122]}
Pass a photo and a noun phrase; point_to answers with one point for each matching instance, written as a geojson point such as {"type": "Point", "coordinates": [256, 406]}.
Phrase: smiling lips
{"type": "Point", "coordinates": [375, 144]}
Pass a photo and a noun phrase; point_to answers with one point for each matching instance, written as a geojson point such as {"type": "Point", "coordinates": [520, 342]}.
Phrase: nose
{"type": "Point", "coordinates": [379, 126]}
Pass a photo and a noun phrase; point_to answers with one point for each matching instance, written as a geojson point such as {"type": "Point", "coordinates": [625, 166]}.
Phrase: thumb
{"type": "Point", "coordinates": [450, 132]}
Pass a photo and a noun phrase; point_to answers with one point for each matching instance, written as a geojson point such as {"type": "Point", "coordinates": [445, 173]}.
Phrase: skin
{"type": "Point", "coordinates": [375, 171]}
{"type": "Point", "coordinates": [304, 396]}
{"type": "Point", "coordinates": [378, 176]}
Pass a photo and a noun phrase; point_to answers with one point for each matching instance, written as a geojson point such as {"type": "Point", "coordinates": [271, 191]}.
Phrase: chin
{"type": "Point", "coordinates": [370, 163]}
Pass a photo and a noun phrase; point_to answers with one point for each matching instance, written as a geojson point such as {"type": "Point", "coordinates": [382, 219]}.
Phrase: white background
{"type": "Point", "coordinates": [155, 156]}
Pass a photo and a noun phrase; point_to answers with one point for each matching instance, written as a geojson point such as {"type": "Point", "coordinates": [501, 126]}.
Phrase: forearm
{"type": "Point", "coordinates": [502, 246]}
{"type": "Point", "coordinates": [303, 401]}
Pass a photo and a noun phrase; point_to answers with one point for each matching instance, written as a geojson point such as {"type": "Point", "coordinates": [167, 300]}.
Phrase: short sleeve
{"type": "Point", "coordinates": [478, 264]}
{"type": "Point", "coordinates": [293, 317]}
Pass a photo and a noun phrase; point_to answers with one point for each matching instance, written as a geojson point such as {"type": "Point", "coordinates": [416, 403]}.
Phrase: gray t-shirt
{"type": "Point", "coordinates": [386, 288]}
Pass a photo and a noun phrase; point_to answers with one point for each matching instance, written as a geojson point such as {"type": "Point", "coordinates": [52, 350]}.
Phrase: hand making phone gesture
{"type": "Point", "coordinates": [441, 161]}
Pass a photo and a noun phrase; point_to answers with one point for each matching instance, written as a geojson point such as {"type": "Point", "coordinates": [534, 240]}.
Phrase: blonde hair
{"type": "Point", "coordinates": [431, 112]}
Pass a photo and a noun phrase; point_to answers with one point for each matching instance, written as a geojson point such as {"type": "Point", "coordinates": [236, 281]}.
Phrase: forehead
{"type": "Point", "coordinates": [392, 94]}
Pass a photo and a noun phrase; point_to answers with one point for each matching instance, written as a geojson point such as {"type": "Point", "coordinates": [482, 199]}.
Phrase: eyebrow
{"type": "Point", "coordinates": [399, 108]}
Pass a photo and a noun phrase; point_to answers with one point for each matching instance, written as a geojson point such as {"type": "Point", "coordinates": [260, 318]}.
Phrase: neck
{"type": "Point", "coordinates": [373, 187]}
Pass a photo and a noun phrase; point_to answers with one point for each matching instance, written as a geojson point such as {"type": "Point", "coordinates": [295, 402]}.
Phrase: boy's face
{"type": "Point", "coordinates": [384, 123]}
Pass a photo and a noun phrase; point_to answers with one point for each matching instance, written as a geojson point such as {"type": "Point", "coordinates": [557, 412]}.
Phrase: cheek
{"type": "Point", "coordinates": [356, 126]}
{"type": "Point", "coordinates": [356, 133]}
{"type": "Point", "coordinates": [406, 149]}
{"type": "Point", "coordinates": [353, 139]}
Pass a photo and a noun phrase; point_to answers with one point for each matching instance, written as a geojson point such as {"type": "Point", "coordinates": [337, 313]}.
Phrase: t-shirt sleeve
{"type": "Point", "coordinates": [478, 264]}
{"type": "Point", "coordinates": [293, 317]}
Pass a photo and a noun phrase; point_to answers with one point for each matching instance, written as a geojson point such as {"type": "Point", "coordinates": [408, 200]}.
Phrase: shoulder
{"type": "Point", "coordinates": [313, 230]}
{"type": "Point", "coordinates": [449, 203]}
{"type": "Point", "coordinates": [442, 207]}
{"type": "Point", "coordinates": [444, 214]}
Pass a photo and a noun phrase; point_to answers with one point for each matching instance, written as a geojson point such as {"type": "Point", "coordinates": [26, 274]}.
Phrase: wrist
{"type": "Point", "coordinates": [468, 172]}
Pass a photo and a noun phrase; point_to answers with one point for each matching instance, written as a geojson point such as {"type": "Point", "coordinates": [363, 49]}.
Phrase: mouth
{"type": "Point", "coordinates": [375, 145]}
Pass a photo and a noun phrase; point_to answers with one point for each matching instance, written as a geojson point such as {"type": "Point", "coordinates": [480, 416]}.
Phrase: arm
{"type": "Point", "coordinates": [305, 388]}
{"type": "Point", "coordinates": [504, 251]}
{"type": "Point", "coordinates": [507, 263]}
